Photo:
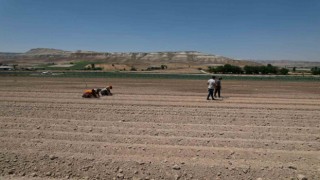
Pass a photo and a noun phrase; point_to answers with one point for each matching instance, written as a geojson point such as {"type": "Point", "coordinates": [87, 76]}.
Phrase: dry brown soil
{"type": "Point", "coordinates": [158, 129]}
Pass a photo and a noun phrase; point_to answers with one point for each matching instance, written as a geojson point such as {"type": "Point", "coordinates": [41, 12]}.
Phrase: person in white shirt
{"type": "Point", "coordinates": [211, 85]}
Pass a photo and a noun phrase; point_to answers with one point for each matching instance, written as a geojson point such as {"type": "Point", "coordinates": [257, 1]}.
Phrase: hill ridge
{"type": "Point", "coordinates": [187, 57]}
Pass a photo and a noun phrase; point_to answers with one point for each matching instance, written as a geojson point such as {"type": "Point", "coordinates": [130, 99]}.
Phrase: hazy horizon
{"type": "Point", "coordinates": [247, 29]}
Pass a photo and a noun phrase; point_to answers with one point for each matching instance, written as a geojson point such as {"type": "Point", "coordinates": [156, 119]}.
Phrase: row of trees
{"type": "Point", "coordinates": [315, 71]}
{"type": "Point", "coordinates": [226, 69]}
{"type": "Point", "coordinates": [231, 69]}
{"type": "Point", "coordinates": [269, 69]}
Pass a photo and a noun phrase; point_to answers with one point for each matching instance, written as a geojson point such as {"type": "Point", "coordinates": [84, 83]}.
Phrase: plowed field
{"type": "Point", "coordinates": [158, 129]}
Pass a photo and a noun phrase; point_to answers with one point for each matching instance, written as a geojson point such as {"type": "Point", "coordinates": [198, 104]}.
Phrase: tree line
{"type": "Point", "coordinates": [315, 71]}
{"type": "Point", "coordinates": [231, 69]}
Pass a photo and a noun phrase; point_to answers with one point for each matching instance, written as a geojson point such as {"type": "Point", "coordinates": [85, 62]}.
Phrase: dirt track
{"type": "Point", "coordinates": [158, 129]}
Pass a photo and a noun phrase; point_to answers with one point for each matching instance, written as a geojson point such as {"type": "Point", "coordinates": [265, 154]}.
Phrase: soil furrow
{"type": "Point", "coordinates": [163, 126]}
{"type": "Point", "coordinates": [164, 132]}
{"type": "Point", "coordinates": [166, 151]}
{"type": "Point", "coordinates": [164, 140]}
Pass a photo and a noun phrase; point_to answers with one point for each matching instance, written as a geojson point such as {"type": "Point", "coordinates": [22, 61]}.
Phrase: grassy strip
{"type": "Point", "coordinates": [91, 74]}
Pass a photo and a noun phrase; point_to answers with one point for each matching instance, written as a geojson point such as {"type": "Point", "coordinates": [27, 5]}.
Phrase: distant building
{"type": "Point", "coordinates": [6, 68]}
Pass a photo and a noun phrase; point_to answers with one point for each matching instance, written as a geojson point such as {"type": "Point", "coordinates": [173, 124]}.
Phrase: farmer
{"type": "Point", "coordinates": [218, 87]}
{"type": "Point", "coordinates": [211, 83]}
{"type": "Point", "coordinates": [90, 93]}
{"type": "Point", "coordinates": [106, 91]}
{"type": "Point", "coordinates": [97, 90]}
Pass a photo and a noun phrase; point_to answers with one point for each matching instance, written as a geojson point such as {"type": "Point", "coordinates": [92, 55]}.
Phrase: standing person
{"type": "Point", "coordinates": [218, 88]}
{"type": "Point", "coordinates": [211, 84]}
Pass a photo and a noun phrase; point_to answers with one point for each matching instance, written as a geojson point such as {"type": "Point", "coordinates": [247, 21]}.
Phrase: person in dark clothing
{"type": "Point", "coordinates": [106, 91]}
{"type": "Point", "coordinates": [217, 88]}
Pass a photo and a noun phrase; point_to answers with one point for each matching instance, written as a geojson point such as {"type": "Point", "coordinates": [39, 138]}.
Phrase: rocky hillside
{"type": "Point", "coordinates": [180, 57]}
{"type": "Point", "coordinates": [46, 51]}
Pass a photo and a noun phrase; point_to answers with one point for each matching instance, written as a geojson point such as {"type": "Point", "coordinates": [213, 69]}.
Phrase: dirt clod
{"type": "Point", "coordinates": [301, 177]}
{"type": "Point", "coordinates": [120, 175]}
{"type": "Point", "coordinates": [176, 167]}
{"type": "Point", "coordinates": [52, 157]}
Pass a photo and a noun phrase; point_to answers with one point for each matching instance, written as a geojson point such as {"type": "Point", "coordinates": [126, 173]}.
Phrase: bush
{"type": "Point", "coordinates": [164, 67]}
{"type": "Point", "coordinates": [315, 71]}
{"type": "Point", "coordinates": [283, 71]}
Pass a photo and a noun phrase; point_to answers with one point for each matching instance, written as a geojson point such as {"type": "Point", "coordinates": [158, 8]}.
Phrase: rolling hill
{"type": "Point", "coordinates": [194, 58]}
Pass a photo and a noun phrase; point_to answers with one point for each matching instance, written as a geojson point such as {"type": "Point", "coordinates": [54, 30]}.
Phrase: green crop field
{"type": "Point", "coordinates": [79, 65]}
{"type": "Point", "coordinates": [99, 74]}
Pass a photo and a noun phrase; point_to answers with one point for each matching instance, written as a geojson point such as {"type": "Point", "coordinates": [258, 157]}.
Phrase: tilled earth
{"type": "Point", "coordinates": [158, 129]}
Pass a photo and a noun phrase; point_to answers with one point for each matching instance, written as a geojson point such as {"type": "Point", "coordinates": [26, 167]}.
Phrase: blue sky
{"type": "Point", "coordinates": [241, 29]}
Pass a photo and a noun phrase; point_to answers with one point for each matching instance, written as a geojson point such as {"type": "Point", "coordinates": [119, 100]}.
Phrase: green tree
{"type": "Point", "coordinates": [283, 71]}
{"type": "Point", "coordinates": [248, 69]}
{"type": "Point", "coordinates": [271, 69]}
{"type": "Point", "coordinates": [164, 67]}
{"type": "Point", "coordinates": [227, 68]}
{"type": "Point", "coordinates": [212, 69]}
{"type": "Point", "coordinates": [315, 71]}
{"type": "Point", "coordinates": [219, 69]}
